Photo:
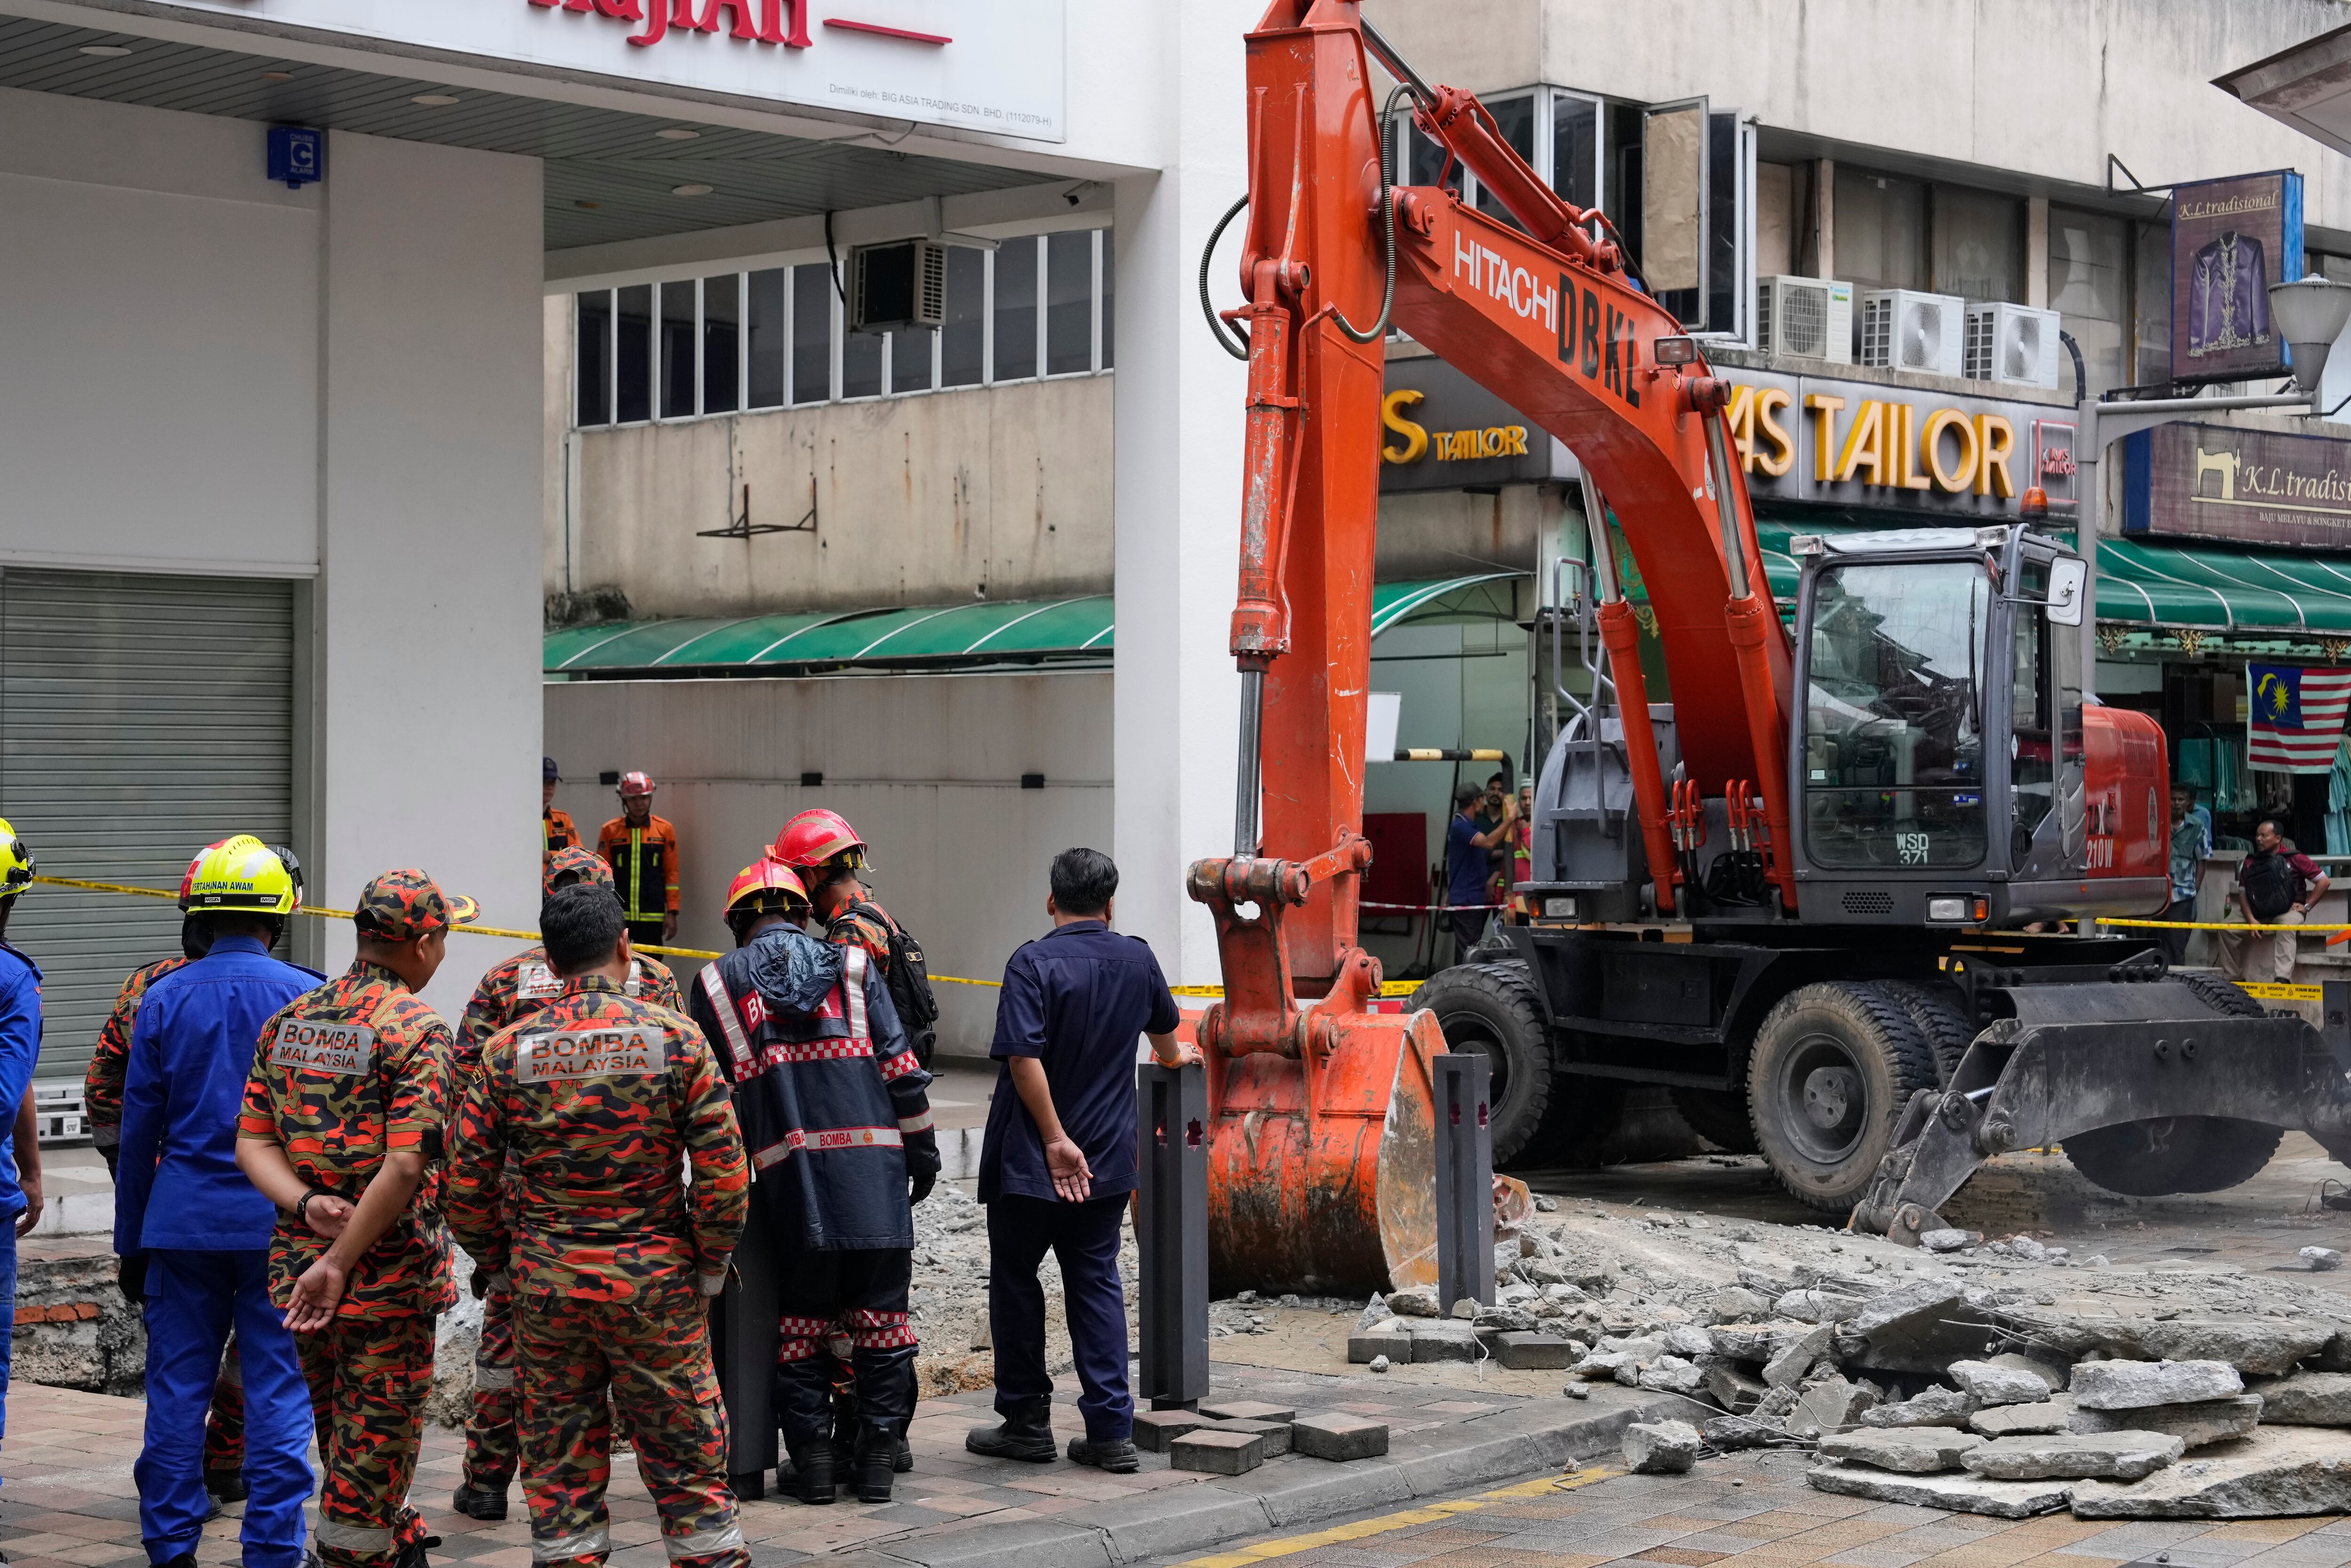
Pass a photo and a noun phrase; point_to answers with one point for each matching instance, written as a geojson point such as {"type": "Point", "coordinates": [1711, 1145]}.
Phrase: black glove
{"type": "Point", "coordinates": [131, 1273]}
{"type": "Point", "coordinates": [922, 1165]}
{"type": "Point", "coordinates": [919, 1185]}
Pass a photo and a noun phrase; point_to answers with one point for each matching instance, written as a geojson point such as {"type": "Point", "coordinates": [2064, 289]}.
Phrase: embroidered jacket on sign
{"type": "Point", "coordinates": [595, 1103]}
{"type": "Point", "coordinates": [101, 1085]}
{"type": "Point", "coordinates": [342, 1075]}
{"type": "Point", "coordinates": [522, 985]}
{"type": "Point", "coordinates": [831, 1099]}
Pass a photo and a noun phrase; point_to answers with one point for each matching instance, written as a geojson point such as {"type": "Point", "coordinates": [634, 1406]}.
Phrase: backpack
{"type": "Point", "coordinates": [908, 975]}
{"type": "Point", "coordinates": [2270, 883]}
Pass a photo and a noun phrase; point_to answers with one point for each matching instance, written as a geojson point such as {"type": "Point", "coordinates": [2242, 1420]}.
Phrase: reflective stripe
{"type": "Point", "coordinates": [827, 1141]}
{"type": "Point", "coordinates": [493, 1377]}
{"type": "Point", "coordinates": [786, 1052]}
{"type": "Point", "coordinates": [920, 1123]}
{"type": "Point", "coordinates": [728, 1024]}
{"type": "Point", "coordinates": [350, 1537]}
{"type": "Point", "coordinates": [636, 872]}
{"type": "Point", "coordinates": [705, 1543]}
{"type": "Point", "coordinates": [594, 1542]}
{"type": "Point", "coordinates": [712, 1284]}
{"type": "Point", "coordinates": [893, 1338]}
{"type": "Point", "coordinates": [896, 1067]}
{"type": "Point", "coordinates": [853, 984]}
{"type": "Point", "coordinates": [802, 1327]}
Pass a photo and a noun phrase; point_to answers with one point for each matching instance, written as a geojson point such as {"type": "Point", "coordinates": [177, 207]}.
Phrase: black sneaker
{"type": "Point", "coordinates": [813, 1475]}
{"type": "Point", "coordinates": [1027, 1437]}
{"type": "Point", "coordinates": [479, 1502]}
{"type": "Point", "coordinates": [1118, 1459]}
{"type": "Point", "coordinates": [228, 1486]}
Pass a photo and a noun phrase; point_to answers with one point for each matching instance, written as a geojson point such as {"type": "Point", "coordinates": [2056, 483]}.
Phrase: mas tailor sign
{"type": "Point", "coordinates": [1843, 443]}
{"type": "Point", "coordinates": [2230, 240]}
{"type": "Point", "coordinates": [2247, 486]}
{"type": "Point", "coordinates": [995, 67]}
{"type": "Point", "coordinates": [1441, 431]}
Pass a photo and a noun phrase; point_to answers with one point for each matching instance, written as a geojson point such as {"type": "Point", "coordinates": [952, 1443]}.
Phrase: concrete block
{"type": "Point", "coordinates": [2079, 1456]}
{"type": "Point", "coordinates": [1733, 1387]}
{"type": "Point", "coordinates": [1661, 1448]}
{"type": "Point", "coordinates": [1364, 1348]}
{"type": "Point", "coordinates": [1155, 1429]}
{"type": "Point", "coordinates": [2132, 1385]}
{"type": "Point", "coordinates": [1533, 1352]}
{"type": "Point", "coordinates": [1788, 1365]}
{"type": "Point", "coordinates": [1217, 1452]}
{"type": "Point", "coordinates": [1334, 1435]}
{"type": "Point", "coordinates": [2257, 1347]}
{"type": "Point", "coordinates": [2208, 1421]}
{"type": "Point", "coordinates": [1913, 1450]}
{"type": "Point", "coordinates": [1934, 1407]}
{"type": "Point", "coordinates": [1246, 1410]}
{"type": "Point", "coordinates": [1988, 1384]}
{"type": "Point", "coordinates": [2051, 1415]}
{"type": "Point", "coordinates": [2305, 1399]}
{"type": "Point", "coordinates": [1832, 1404]}
{"type": "Point", "coordinates": [1443, 1339]}
{"type": "Point", "coordinates": [1274, 1437]}
{"type": "Point", "coordinates": [2050, 1371]}
{"type": "Point", "coordinates": [2273, 1471]}
{"type": "Point", "coordinates": [1959, 1493]}
{"type": "Point", "coordinates": [1754, 1341]}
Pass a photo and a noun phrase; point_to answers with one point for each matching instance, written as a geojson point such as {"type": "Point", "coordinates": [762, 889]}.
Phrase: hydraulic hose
{"type": "Point", "coordinates": [1207, 309]}
{"type": "Point", "coordinates": [1387, 219]}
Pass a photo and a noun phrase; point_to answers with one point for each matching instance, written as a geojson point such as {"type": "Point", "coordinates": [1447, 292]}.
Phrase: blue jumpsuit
{"type": "Point", "coordinates": [180, 1199]}
{"type": "Point", "coordinates": [20, 1044]}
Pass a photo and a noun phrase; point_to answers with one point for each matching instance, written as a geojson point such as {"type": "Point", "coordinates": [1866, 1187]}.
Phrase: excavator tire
{"type": "Point", "coordinates": [1493, 1008]}
{"type": "Point", "coordinates": [1584, 1113]}
{"type": "Point", "coordinates": [2181, 1154]}
{"type": "Point", "coordinates": [1936, 1014]}
{"type": "Point", "coordinates": [1719, 1116]}
{"type": "Point", "coordinates": [1833, 1065]}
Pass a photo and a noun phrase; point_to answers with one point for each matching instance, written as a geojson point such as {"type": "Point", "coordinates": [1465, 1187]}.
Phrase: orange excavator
{"type": "Point", "coordinates": [1798, 895]}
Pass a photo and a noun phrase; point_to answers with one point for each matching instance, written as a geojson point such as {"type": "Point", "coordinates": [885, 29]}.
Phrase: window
{"type": "Point", "coordinates": [2089, 283]}
{"type": "Point", "coordinates": [690, 347]}
{"type": "Point", "coordinates": [1881, 231]}
{"type": "Point", "coordinates": [1576, 150]}
{"type": "Point", "coordinates": [1893, 736]}
{"type": "Point", "coordinates": [1515, 118]}
{"type": "Point", "coordinates": [2032, 760]}
{"type": "Point", "coordinates": [1979, 244]}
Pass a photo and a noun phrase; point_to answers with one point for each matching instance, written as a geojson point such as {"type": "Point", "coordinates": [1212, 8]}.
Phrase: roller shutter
{"type": "Point", "coordinates": [141, 718]}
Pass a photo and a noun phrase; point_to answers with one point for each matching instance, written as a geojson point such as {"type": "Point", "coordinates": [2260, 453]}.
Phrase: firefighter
{"type": "Point", "coordinates": [598, 1101]}
{"type": "Point", "coordinates": [510, 992]}
{"type": "Point", "coordinates": [556, 828]}
{"type": "Point", "coordinates": [642, 849]}
{"type": "Point", "coordinates": [342, 1128]}
{"type": "Point", "coordinates": [193, 1232]}
{"type": "Point", "coordinates": [101, 1098]}
{"type": "Point", "coordinates": [828, 854]}
{"type": "Point", "coordinates": [836, 1112]}
{"type": "Point", "coordinates": [20, 1048]}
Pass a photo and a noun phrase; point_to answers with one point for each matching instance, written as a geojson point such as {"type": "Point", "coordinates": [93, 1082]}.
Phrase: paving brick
{"type": "Point", "coordinates": [1332, 1436]}
{"type": "Point", "coordinates": [1274, 1437]}
{"type": "Point", "coordinates": [1247, 1410]}
{"type": "Point", "coordinates": [1217, 1452]}
{"type": "Point", "coordinates": [1522, 1351]}
{"type": "Point", "coordinates": [1154, 1429]}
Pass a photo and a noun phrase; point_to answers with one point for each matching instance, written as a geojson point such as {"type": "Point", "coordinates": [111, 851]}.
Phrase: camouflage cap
{"type": "Point", "coordinates": [581, 864]}
{"type": "Point", "coordinates": [403, 904]}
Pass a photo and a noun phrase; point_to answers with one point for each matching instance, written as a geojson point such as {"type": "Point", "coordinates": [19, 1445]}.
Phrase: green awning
{"type": "Point", "coordinates": [954, 636]}
{"type": "Point", "coordinates": [2199, 587]}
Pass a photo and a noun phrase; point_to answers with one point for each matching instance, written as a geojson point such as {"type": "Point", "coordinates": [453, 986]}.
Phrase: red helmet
{"type": "Point", "coordinates": [818, 837]}
{"type": "Point", "coordinates": [636, 784]}
{"type": "Point", "coordinates": [765, 886]}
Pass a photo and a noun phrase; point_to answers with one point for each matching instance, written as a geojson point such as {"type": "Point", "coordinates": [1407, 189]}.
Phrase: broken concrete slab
{"type": "Point", "coordinates": [2197, 1425]}
{"type": "Point", "coordinates": [1661, 1448]}
{"type": "Point", "coordinates": [1670, 1374]}
{"type": "Point", "coordinates": [1689, 1343]}
{"type": "Point", "coordinates": [1755, 1340]}
{"type": "Point", "coordinates": [2051, 1371]}
{"type": "Point", "coordinates": [1332, 1435]}
{"type": "Point", "coordinates": [1913, 1450]}
{"type": "Point", "coordinates": [1934, 1407]}
{"type": "Point", "coordinates": [2054, 1414]}
{"type": "Point", "coordinates": [1832, 1404]}
{"type": "Point", "coordinates": [1988, 1384]}
{"type": "Point", "coordinates": [1736, 1304]}
{"type": "Point", "coordinates": [2257, 1347]}
{"type": "Point", "coordinates": [2304, 1399]}
{"type": "Point", "coordinates": [1960, 1494]}
{"type": "Point", "coordinates": [2272, 1472]}
{"type": "Point", "coordinates": [1418, 1302]}
{"type": "Point", "coordinates": [1601, 1365]}
{"type": "Point", "coordinates": [1733, 1386]}
{"type": "Point", "coordinates": [2106, 1456]}
{"type": "Point", "coordinates": [1946, 1240]}
{"type": "Point", "coordinates": [1729, 1434]}
{"type": "Point", "coordinates": [1921, 1299]}
{"type": "Point", "coordinates": [2133, 1384]}
{"type": "Point", "coordinates": [1788, 1366]}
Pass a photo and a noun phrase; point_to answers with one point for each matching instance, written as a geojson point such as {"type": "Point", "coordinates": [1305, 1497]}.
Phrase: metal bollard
{"type": "Point", "coordinates": [1171, 1234]}
{"type": "Point", "coordinates": [743, 1342]}
{"type": "Point", "coordinates": [1465, 1180]}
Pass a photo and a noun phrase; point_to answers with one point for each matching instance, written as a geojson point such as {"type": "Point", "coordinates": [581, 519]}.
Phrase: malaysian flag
{"type": "Point", "coordinates": [2297, 715]}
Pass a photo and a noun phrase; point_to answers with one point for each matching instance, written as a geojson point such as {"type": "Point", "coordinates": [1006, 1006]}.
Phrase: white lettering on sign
{"type": "Point", "coordinates": [1494, 275]}
{"type": "Point", "coordinates": [346, 1047]}
{"type": "Point", "coordinates": [539, 983]}
{"type": "Point", "coordinates": [590, 1054]}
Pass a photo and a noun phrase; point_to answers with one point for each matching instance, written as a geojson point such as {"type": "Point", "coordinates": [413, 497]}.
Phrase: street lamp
{"type": "Point", "coordinates": [2310, 314]}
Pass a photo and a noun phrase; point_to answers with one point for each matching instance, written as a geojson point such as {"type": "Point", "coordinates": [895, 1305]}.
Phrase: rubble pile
{"type": "Point", "coordinates": [2004, 1377]}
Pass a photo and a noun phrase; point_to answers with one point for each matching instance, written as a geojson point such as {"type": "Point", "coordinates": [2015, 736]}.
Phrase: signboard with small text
{"type": "Point", "coordinates": [1441, 431]}
{"type": "Point", "coordinates": [2246, 487]}
{"type": "Point", "coordinates": [2230, 240]}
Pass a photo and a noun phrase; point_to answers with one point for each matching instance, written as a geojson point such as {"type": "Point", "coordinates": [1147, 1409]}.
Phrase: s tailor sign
{"type": "Point", "coordinates": [994, 68]}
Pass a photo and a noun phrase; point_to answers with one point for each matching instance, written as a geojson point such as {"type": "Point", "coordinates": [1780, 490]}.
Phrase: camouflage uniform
{"type": "Point", "coordinates": [345, 1074]}
{"type": "Point", "coordinates": [594, 1103]}
{"type": "Point", "coordinates": [511, 992]}
{"type": "Point", "coordinates": [101, 1099]}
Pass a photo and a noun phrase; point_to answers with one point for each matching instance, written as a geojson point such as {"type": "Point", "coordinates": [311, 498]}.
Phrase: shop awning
{"type": "Point", "coordinates": [2197, 587]}
{"type": "Point", "coordinates": [955, 636]}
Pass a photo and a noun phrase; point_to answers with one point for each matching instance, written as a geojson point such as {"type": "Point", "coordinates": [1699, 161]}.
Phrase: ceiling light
{"type": "Point", "coordinates": [677, 133]}
{"type": "Point", "coordinates": [434, 100]}
{"type": "Point", "coordinates": [105, 51]}
{"type": "Point", "coordinates": [689, 190]}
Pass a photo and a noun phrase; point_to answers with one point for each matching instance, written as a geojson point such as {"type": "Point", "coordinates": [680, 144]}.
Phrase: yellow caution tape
{"type": "Point", "coordinates": [1387, 988]}
{"type": "Point", "coordinates": [2279, 991]}
{"type": "Point", "coordinates": [2209, 925]}
{"type": "Point", "coordinates": [323, 913]}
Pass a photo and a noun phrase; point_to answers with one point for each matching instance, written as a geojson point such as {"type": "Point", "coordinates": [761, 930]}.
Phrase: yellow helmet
{"type": "Point", "coordinates": [15, 863]}
{"type": "Point", "coordinates": [243, 873]}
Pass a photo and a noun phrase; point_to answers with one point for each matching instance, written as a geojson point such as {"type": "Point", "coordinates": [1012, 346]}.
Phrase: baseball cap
{"type": "Point", "coordinates": [583, 863]}
{"type": "Point", "coordinates": [549, 773]}
{"type": "Point", "coordinates": [403, 904]}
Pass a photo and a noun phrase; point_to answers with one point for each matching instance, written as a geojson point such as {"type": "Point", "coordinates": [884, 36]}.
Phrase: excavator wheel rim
{"type": "Point", "coordinates": [1889, 1057]}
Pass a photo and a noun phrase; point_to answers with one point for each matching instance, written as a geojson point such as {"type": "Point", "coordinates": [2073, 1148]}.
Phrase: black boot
{"type": "Point", "coordinates": [877, 1466]}
{"type": "Point", "coordinates": [1118, 1459]}
{"type": "Point", "coordinates": [227, 1486]}
{"type": "Point", "coordinates": [1027, 1434]}
{"type": "Point", "coordinates": [479, 1502]}
{"type": "Point", "coordinates": [413, 1554]}
{"type": "Point", "coordinates": [812, 1474]}
{"type": "Point", "coordinates": [905, 1460]}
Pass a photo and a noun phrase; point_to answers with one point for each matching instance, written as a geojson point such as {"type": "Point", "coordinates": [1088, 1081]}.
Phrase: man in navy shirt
{"type": "Point", "coordinates": [1465, 863]}
{"type": "Point", "coordinates": [20, 1047]}
{"type": "Point", "coordinates": [1058, 1161]}
{"type": "Point", "coordinates": [193, 1231]}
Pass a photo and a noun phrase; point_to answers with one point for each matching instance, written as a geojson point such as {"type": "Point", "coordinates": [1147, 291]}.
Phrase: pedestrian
{"type": "Point", "coordinates": [194, 1234]}
{"type": "Point", "coordinates": [1466, 845]}
{"type": "Point", "coordinates": [642, 849]}
{"type": "Point", "coordinates": [1057, 1162]}
{"type": "Point", "coordinates": [2191, 845]}
{"type": "Point", "coordinates": [342, 1130]}
{"type": "Point", "coordinates": [827, 855]}
{"type": "Point", "coordinates": [1522, 839]}
{"type": "Point", "coordinates": [101, 1098]}
{"type": "Point", "coordinates": [20, 1048]}
{"type": "Point", "coordinates": [836, 1113]}
{"type": "Point", "coordinates": [556, 830]}
{"type": "Point", "coordinates": [2276, 885]}
{"type": "Point", "coordinates": [599, 1103]}
{"type": "Point", "coordinates": [1492, 814]}
{"type": "Point", "coordinates": [514, 990]}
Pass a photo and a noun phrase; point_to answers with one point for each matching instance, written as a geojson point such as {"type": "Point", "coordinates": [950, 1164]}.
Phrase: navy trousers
{"type": "Point", "coordinates": [194, 1299]}
{"type": "Point", "coordinates": [7, 1308]}
{"type": "Point", "coordinates": [1084, 1237]}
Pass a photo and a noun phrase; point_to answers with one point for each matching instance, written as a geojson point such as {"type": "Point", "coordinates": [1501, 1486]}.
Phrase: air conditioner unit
{"type": "Point", "coordinates": [1903, 329]}
{"type": "Point", "coordinates": [1804, 318]}
{"type": "Point", "coordinates": [2014, 344]}
{"type": "Point", "coordinates": [904, 284]}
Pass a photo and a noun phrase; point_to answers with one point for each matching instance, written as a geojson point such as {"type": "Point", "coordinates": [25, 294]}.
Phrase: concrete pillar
{"type": "Point", "coordinates": [424, 652]}
{"type": "Point", "coordinates": [1177, 430]}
